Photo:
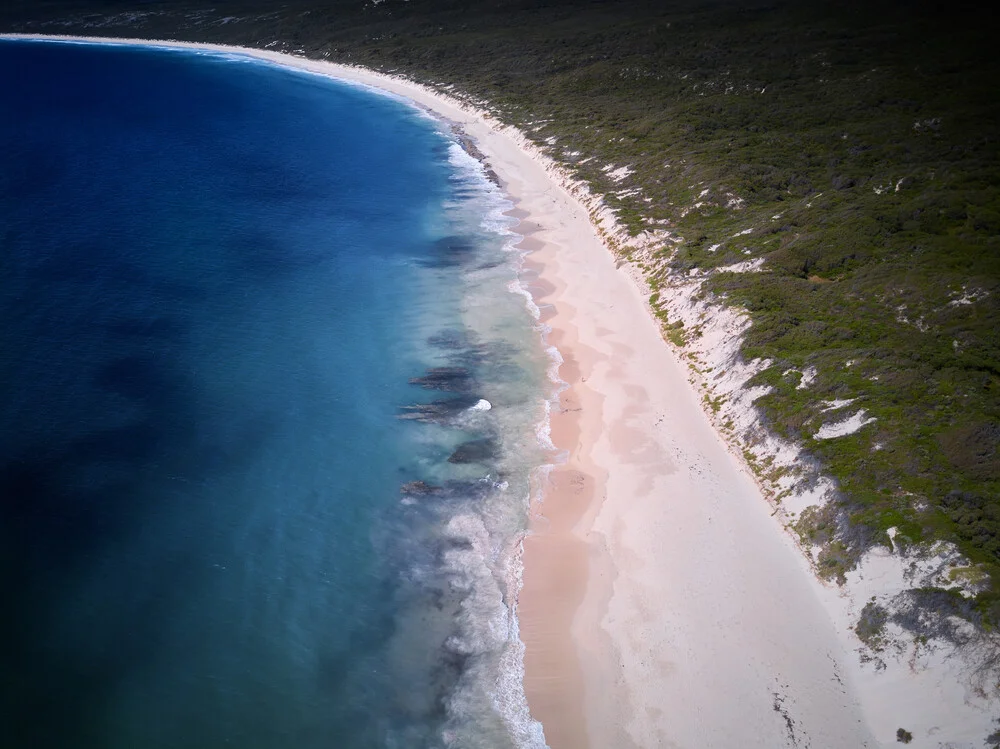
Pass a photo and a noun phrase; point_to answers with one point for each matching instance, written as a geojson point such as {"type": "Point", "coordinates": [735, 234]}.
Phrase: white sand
{"type": "Point", "coordinates": [696, 622]}
{"type": "Point", "coordinates": [842, 428]}
{"type": "Point", "coordinates": [701, 625]}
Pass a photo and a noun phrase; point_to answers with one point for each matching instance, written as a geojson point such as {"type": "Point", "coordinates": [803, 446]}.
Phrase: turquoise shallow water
{"type": "Point", "coordinates": [252, 494]}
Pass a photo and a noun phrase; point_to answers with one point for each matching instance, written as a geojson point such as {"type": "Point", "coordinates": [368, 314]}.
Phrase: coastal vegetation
{"type": "Point", "coordinates": [848, 151]}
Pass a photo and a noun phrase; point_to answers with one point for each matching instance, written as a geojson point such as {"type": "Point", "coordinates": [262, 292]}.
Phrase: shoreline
{"type": "Point", "coordinates": [662, 604]}
{"type": "Point", "coordinates": [607, 685]}
{"type": "Point", "coordinates": [559, 564]}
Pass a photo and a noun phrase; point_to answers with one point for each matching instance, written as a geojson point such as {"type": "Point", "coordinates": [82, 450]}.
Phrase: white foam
{"type": "Point", "coordinates": [543, 430]}
{"type": "Point", "coordinates": [556, 362]}
{"type": "Point", "coordinates": [481, 405]}
{"type": "Point", "coordinates": [509, 697]}
{"type": "Point", "coordinates": [489, 576]}
{"type": "Point", "coordinates": [514, 287]}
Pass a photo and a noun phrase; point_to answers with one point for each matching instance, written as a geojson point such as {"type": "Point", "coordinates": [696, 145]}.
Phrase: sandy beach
{"type": "Point", "coordinates": [694, 620]}
{"type": "Point", "coordinates": [662, 605]}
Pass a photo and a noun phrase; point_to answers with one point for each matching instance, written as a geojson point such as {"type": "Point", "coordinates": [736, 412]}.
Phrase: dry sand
{"type": "Point", "coordinates": [662, 606]}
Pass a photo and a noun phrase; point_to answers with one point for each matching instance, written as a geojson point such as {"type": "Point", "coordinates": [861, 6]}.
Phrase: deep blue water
{"type": "Point", "coordinates": [218, 280]}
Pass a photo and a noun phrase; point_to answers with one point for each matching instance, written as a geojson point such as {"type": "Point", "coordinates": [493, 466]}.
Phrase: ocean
{"type": "Point", "coordinates": [272, 401]}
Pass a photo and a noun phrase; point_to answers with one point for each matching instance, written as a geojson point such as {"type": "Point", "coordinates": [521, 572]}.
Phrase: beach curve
{"type": "Point", "coordinates": [661, 605]}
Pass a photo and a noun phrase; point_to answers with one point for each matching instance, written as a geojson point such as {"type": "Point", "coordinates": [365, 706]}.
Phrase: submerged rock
{"type": "Point", "coordinates": [447, 379]}
{"type": "Point", "coordinates": [469, 146]}
{"type": "Point", "coordinates": [475, 451]}
{"type": "Point", "coordinates": [450, 252]}
{"type": "Point", "coordinates": [463, 346]}
{"type": "Point", "coordinates": [440, 410]}
{"type": "Point", "coordinates": [451, 339]}
{"type": "Point", "coordinates": [420, 489]}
